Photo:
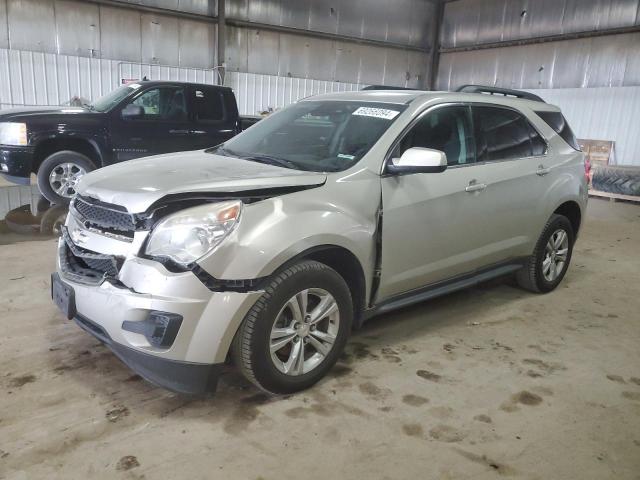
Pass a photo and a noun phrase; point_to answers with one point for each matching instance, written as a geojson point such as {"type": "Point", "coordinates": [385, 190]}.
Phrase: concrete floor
{"type": "Point", "coordinates": [480, 384]}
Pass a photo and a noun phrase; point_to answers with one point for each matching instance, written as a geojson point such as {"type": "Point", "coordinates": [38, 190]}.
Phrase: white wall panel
{"type": "Point", "coordinates": [604, 113]}
{"type": "Point", "coordinates": [257, 93]}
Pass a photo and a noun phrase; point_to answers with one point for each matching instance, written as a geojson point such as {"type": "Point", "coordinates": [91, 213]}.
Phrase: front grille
{"type": "Point", "coordinates": [84, 265]}
{"type": "Point", "coordinates": [107, 217]}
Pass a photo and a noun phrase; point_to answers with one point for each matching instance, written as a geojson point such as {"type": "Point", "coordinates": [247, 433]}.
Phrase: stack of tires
{"type": "Point", "coordinates": [621, 180]}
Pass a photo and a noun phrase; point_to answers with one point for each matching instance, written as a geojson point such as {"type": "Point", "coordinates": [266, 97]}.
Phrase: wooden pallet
{"type": "Point", "coordinates": [614, 197]}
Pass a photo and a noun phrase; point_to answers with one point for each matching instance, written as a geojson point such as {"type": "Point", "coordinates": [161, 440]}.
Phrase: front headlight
{"type": "Point", "coordinates": [12, 133]}
{"type": "Point", "coordinates": [189, 234]}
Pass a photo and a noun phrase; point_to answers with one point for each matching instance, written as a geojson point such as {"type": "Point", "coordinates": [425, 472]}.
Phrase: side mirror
{"type": "Point", "coordinates": [131, 112]}
{"type": "Point", "coordinates": [418, 160]}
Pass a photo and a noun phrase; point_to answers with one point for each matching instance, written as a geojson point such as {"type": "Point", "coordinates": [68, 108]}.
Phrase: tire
{"type": "Point", "coordinates": [622, 180]}
{"type": "Point", "coordinates": [534, 276]}
{"type": "Point", "coordinates": [68, 165]}
{"type": "Point", "coordinates": [251, 350]}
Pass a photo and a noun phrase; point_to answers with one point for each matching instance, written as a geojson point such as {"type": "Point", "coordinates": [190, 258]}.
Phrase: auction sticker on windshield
{"type": "Point", "coordinates": [376, 112]}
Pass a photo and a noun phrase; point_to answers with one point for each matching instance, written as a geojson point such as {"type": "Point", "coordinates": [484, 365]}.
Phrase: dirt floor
{"type": "Point", "coordinates": [480, 384]}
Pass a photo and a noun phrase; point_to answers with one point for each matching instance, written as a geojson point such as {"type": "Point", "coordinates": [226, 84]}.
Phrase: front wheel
{"type": "Point", "coordinates": [296, 331]}
{"type": "Point", "coordinates": [59, 174]}
{"type": "Point", "coordinates": [546, 268]}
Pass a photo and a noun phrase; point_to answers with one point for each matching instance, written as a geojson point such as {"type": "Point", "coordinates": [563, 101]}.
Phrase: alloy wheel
{"type": "Point", "coordinates": [555, 255]}
{"type": "Point", "coordinates": [304, 331]}
{"type": "Point", "coordinates": [64, 177]}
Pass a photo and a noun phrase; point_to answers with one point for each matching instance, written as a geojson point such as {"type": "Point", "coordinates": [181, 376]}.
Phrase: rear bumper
{"type": "Point", "coordinates": [182, 377]}
{"type": "Point", "coordinates": [16, 163]}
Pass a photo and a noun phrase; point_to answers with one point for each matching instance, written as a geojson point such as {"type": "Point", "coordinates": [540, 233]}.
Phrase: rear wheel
{"type": "Point", "coordinates": [547, 266]}
{"type": "Point", "coordinates": [295, 332]}
{"type": "Point", "coordinates": [59, 174]}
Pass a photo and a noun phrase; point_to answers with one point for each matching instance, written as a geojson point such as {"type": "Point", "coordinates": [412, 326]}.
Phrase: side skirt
{"type": "Point", "coordinates": [443, 288]}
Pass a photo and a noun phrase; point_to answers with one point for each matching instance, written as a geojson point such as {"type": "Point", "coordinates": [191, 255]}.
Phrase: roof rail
{"type": "Point", "coordinates": [507, 92]}
{"type": "Point", "coordinates": [386, 87]}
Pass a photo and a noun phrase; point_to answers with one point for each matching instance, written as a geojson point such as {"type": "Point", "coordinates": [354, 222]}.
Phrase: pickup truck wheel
{"type": "Point", "coordinates": [295, 332]}
{"type": "Point", "coordinates": [59, 173]}
{"type": "Point", "coordinates": [547, 266]}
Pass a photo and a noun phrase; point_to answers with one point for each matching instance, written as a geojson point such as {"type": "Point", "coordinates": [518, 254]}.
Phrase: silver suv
{"type": "Point", "coordinates": [269, 249]}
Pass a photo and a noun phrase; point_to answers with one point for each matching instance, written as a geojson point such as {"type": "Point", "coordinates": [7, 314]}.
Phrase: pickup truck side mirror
{"type": "Point", "coordinates": [418, 160]}
{"type": "Point", "coordinates": [132, 112]}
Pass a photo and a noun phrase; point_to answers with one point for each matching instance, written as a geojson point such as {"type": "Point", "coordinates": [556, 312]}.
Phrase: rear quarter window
{"type": "Point", "coordinates": [208, 105]}
{"type": "Point", "coordinates": [560, 125]}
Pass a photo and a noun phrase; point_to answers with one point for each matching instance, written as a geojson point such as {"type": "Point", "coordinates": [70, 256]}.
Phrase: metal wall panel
{"type": "Point", "coordinates": [4, 32]}
{"type": "Point", "coordinates": [602, 113]}
{"type": "Point", "coordinates": [120, 35]}
{"type": "Point", "coordinates": [31, 25]}
{"type": "Point", "coordinates": [475, 22]}
{"type": "Point", "coordinates": [200, 7]}
{"type": "Point", "coordinates": [263, 51]}
{"type": "Point", "coordinates": [197, 44]}
{"type": "Point", "coordinates": [160, 39]}
{"type": "Point", "coordinates": [237, 49]}
{"type": "Point", "coordinates": [590, 62]}
{"type": "Point", "coordinates": [78, 28]}
{"type": "Point", "coordinates": [258, 93]}
{"type": "Point", "coordinates": [405, 22]}
{"type": "Point", "coordinates": [35, 78]}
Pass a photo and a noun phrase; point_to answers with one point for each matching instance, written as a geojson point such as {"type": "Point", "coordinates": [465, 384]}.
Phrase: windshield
{"type": "Point", "coordinates": [111, 99]}
{"type": "Point", "coordinates": [319, 136]}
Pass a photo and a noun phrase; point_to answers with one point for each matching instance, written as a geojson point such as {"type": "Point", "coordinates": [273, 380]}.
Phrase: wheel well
{"type": "Point", "coordinates": [49, 147]}
{"type": "Point", "coordinates": [347, 265]}
{"type": "Point", "coordinates": [571, 210]}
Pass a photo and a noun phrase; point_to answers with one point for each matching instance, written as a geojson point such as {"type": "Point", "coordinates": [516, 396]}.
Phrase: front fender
{"type": "Point", "coordinates": [274, 231]}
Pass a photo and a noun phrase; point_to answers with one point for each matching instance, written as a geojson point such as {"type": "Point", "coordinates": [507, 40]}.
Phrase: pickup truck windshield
{"type": "Point", "coordinates": [319, 136]}
{"type": "Point", "coordinates": [111, 99]}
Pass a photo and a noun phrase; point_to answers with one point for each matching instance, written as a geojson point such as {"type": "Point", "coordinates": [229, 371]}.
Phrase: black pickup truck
{"type": "Point", "coordinates": [60, 144]}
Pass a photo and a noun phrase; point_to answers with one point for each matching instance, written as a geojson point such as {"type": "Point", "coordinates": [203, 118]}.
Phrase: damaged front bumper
{"type": "Point", "coordinates": [167, 327]}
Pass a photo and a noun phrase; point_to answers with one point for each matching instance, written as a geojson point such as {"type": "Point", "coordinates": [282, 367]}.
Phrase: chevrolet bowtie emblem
{"type": "Point", "coordinates": [78, 236]}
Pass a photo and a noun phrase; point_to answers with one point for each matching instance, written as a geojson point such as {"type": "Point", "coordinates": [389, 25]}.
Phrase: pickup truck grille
{"type": "Point", "coordinates": [107, 218]}
{"type": "Point", "coordinates": [84, 265]}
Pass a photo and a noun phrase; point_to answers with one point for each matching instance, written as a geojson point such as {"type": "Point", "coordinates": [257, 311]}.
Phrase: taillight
{"type": "Point", "coordinates": [587, 169]}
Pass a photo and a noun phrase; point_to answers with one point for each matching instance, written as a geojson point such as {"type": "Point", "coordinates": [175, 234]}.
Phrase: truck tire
{"type": "Point", "coordinates": [59, 173]}
{"type": "Point", "coordinates": [546, 268]}
{"type": "Point", "coordinates": [622, 180]}
{"type": "Point", "coordinates": [296, 331]}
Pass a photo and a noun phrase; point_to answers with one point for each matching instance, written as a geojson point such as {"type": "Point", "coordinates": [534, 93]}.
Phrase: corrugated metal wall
{"type": "Point", "coordinates": [34, 78]}
{"type": "Point", "coordinates": [477, 22]}
{"type": "Point", "coordinates": [611, 60]}
{"type": "Point", "coordinates": [606, 61]}
{"type": "Point", "coordinates": [71, 27]}
{"type": "Point", "coordinates": [85, 29]}
{"type": "Point", "coordinates": [602, 113]}
{"type": "Point", "coordinates": [257, 93]}
{"type": "Point", "coordinates": [283, 54]}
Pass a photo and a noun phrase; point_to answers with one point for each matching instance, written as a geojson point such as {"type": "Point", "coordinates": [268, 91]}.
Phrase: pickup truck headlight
{"type": "Point", "coordinates": [13, 133]}
{"type": "Point", "coordinates": [189, 234]}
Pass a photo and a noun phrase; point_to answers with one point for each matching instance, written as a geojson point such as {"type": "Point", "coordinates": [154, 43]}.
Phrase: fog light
{"type": "Point", "coordinates": [160, 328]}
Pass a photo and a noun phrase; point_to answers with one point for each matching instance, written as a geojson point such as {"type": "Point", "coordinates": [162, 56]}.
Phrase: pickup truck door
{"type": "Point", "coordinates": [214, 115]}
{"type": "Point", "coordinates": [164, 127]}
{"type": "Point", "coordinates": [430, 220]}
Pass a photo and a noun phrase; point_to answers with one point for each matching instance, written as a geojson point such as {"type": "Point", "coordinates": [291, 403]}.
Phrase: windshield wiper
{"type": "Point", "coordinates": [278, 162]}
{"type": "Point", "coordinates": [89, 106]}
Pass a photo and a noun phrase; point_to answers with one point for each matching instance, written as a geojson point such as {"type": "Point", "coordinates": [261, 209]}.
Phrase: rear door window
{"type": "Point", "coordinates": [208, 104]}
{"type": "Point", "coordinates": [557, 121]}
{"type": "Point", "coordinates": [503, 134]}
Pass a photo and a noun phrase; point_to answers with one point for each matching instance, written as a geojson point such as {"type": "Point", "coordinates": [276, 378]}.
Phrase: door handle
{"type": "Point", "coordinates": [542, 170]}
{"type": "Point", "coordinates": [178, 132]}
{"type": "Point", "coordinates": [197, 132]}
{"type": "Point", "coordinates": [475, 187]}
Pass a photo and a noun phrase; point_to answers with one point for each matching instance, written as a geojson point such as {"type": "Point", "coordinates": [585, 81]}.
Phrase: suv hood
{"type": "Point", "coordinates": [137, 184]}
